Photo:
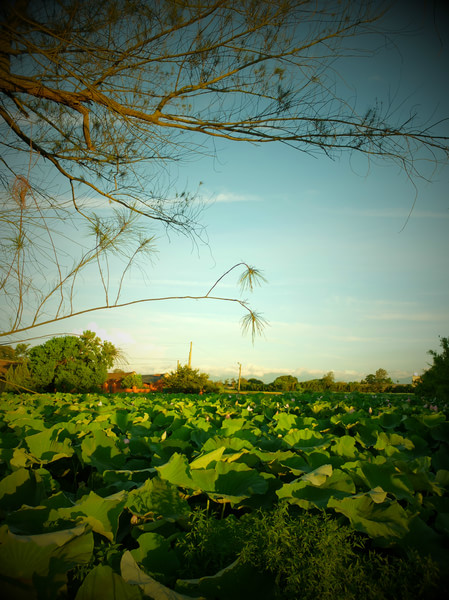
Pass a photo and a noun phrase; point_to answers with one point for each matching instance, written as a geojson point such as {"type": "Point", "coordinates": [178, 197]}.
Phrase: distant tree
{"type": "Point", "coordinates": [16, 377]}
{"type": "Point", "coordinates": [328, 380]}
{"type": "Point", "coordinates": [379, 381]}
{"type": "Point", "coordinates": [132, 380]}
{"type": "Point", "coordinates": [285, 383]}
{"type": "Point", "coordinates": [71, 363]}
{"type": "Point", "coordinates": [434, 382]}
{"type": "Point", "coordinates": [253, 385]}
{"type": "Point", "coordinates": [312, 385]}
{"type": "Point", "coordinates": [7, 353]}
{"type": "Point", "coordinates": [189, 381]}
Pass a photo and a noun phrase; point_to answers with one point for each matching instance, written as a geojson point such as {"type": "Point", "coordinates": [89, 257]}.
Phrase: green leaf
{"type": "Point", "coordinates": [157, 498]}
{"type": "Point", "coordinates": [101, 514]}
{"type": "Point", "coordinates": [237, 581]}
{"type": "Point", "coordinates": [21, 556]}
{"type": "Point", "coordinates": [318, 476]}
{"type": "Point", "coordinates": [177, 471]}
{"type": "Point", "coordinates": [203, 461]}
{"type": "Point", "coordinates": [387, 520]}
{"type": "Point", "coordinates": [151, 588]}
{"type": "Point", "coordinates": [301, 492]}
{"type": "Point", "coordinates": [344, 446]}
{"type": "Point", "coordinates": [388, 478]}
{"type": "Point", "coordinates": [155, 554]}
{"type": "Point", "coordinates": [21, 487]}
{"type": "Point", "coordinates": [102, 582]}
{"type": "Point", "coordinates": [285, 422]}
{"type": "Point", "coordinates": [306, 439]}
{"type": "Point", "coordinates": [101, 451]}
{"type": "Point", "coordinates": [46, 447]}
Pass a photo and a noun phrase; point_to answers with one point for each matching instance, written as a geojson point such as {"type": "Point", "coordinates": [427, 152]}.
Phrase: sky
{"type": "Point", "coordinates": [355, 254]}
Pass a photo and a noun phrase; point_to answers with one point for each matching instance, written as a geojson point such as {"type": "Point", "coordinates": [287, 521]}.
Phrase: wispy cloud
{"type": "Point", "coordinates": [231, 197]}
{"type": "Point", "coordinates": [417, 316]}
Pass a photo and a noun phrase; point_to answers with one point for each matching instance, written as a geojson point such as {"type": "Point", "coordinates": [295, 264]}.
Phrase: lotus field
{"type": "Point", "coordinates": [223, 496]}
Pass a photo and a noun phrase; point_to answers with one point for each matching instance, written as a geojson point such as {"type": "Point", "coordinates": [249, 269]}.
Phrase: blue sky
{"type": "Point", "coordinates": [353, 284]}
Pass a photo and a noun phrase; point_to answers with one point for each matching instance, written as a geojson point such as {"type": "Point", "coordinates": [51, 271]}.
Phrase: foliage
{"type": "Point", "coordinates": [435, 381]}
{"type": "Point", "coordinates": [330, 495]}
{"type": "Point", "coordinates": [328, 380]}
{"type": "Point", "coordinates": [188, 381]}
{"type": "Point", "coordinates": [378, 382]}
{"type": "Point", "coordinates": [317, 557]}
{"type": "Point", "coordinates": [285, 383]}
{"type": "Point", "coordinates": [71, 363]}
{"type": "Point", "coordinates": [16, 376]}
{"type": "Point", "coordinates": [132, 380]}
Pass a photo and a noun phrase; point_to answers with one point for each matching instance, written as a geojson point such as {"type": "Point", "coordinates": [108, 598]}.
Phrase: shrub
{"type": "Point", "coordinates": [189, 381]}
{"type": "Point", "coordinates": [132, 380]}
{"type": "Point", "coordinates": [308, 555]}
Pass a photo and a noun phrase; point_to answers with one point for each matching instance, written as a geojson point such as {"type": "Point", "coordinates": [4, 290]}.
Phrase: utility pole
{"type": "Point", "coordinates": [190, 356]}
{"type": "Point", "coordinates": [240, 375]}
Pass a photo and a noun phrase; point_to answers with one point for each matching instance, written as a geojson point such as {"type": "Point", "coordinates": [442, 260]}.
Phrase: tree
{"type": "Point", "coordinates": [285, 383]}
{"type": "Point", "coordinates": [434, 382]}
{"type": "Point", "coordinates": [71, 363]}
{"type": "Point", "coordinates": [132, 380]}
{"type": "Point", "coordinates": [188, 381]}
{"type": "Point", "coordinates": [254, 385]}
{"type": "Point", "coordinates": [328, 380]}
{"type": "Point", "coordinates": [15, 375]}
{"type": "Point", "coordinates": [379, 381]}
{"type": "Point", "coordinates": [101, 97]}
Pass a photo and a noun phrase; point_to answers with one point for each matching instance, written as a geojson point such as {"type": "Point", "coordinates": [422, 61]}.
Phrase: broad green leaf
{"type": "Point", "coordinates": [236, 481]}
{"type": "Point", "coordinates": [155, 554]}
{"type": "Point", "coordinates": [21, 487]}
{"type": "Point", "coordinates": [101, 451]}
{"type": "Point", "coordinates": [426, 540]}
{"type": "Point", "coordinates": [101, 514]}
{"type": "Point", "coordinates": [21, 556]}
{"type": "Point", "coordinates": [301, 492]}
{"type": "Point", "coordinates": [177, 471]}
{"type": "Point", "coordinates": [366, 433]}
{"type": "Point", "coordinates": [46, 447]}
{"type": "Point", "coordinates": [230, 426]}
{"type": "Point", "coordinates": [387, 520]}
{"type": "Point", "coordinates": [306, 439]}
{"type": "Point", "coordinates": [40, 519]}
{"type": "Point", "coordinates": [285, 422]}
{"type": "Point", "coordinates": [203, 461]}
{"type": "Point", "coordinates": [237, 582]}
{"type": "Point", "coordinates": [344, 446]}
{"type": "Point", "coordinates": [230, 443]}
{"type": "Point", "coordinates": [157, 498]}
{"type": "Point", "coordinates": [392, 443]}
{"type": "Point", "coordinates": [120, 418]}
{"type": "Point", "coordinates": [127, 479]}
{"type": "Point", "coordinates": [102, 582]}
{"type": "Point", "coordinates": [388, 478]}
{"type": "Point", "coordinates": [318, 476]}
{"type": "Point", "coordinates": [151, 588]}
{"type": "Point", "coordinates": [441, 432]}
{"type": "Point", "coordinates": [390, 420]}
{"type": "Point", "coordinates": [21, 458]}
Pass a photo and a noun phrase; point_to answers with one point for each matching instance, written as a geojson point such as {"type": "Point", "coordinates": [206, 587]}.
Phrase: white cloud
{"type": "Point", "coordinates": [232, 197]}
{"type": "Point", "coordinates": [116, 336]}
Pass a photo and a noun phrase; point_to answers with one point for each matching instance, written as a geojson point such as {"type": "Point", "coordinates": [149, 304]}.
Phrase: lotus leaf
{"type": "Point", "coordinates": [102, 582]}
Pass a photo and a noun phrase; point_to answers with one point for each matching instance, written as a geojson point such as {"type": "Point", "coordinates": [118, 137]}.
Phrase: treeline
{"type": "Point", "coordinates": [373, 383]}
